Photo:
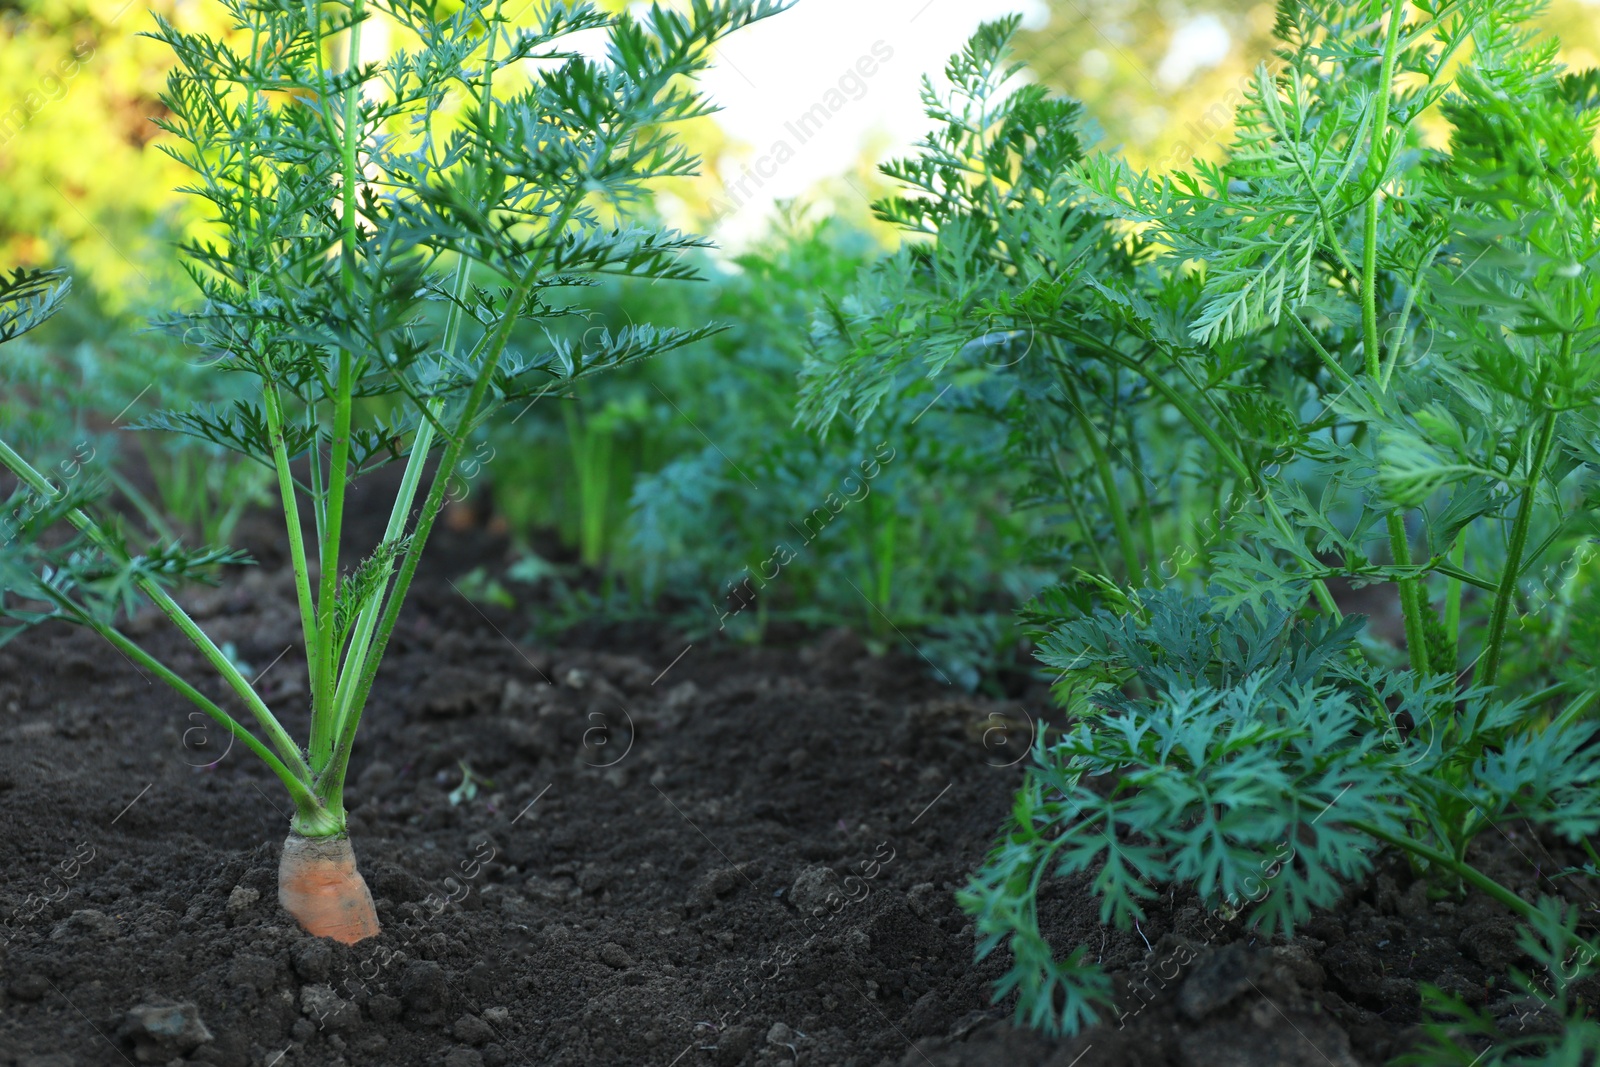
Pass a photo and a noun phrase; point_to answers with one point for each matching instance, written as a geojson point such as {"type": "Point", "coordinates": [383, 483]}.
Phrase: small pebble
{"type": "Point", "coordinates": [472, 1030]}
{"type": "Point", "coordinates": [613, 955]}
{"type": "Point", "coordinates": [241, 899]}
{"type": "Point", "coordinates": [312, 958]}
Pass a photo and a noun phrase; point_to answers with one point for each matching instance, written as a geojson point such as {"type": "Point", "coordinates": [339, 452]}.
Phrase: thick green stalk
{"type": "Point", "coordinates": [331, 781]}
{"type": "Point", "coordinates": [349, 693]}
{"type": "Point", "coordinates": [882, 558]}
{"type": "Point", "coordinates": [1369, 215]}
{"type": "Point", "coordinates": [1460, 573]}
{"type": "Point", "coordinates": [1489, 665]}
{"type": "Point", "coordinates": [421, 446]}
{"type": "Point", "coordinates": [1410, 595]}
{"type": "Point", "coordinates": [361, 636]}
{"type": "Point", "coordinates": [1411, 602]}
{"type": "Point", "coordinates": [141, 503]}
{"type": "Point", "coordinates": [1393, 359]}
{"type": "Point", "coordinates": [287, 750]}
{"type": "Point", "coordinates": [325, 713]}
{"type": "Point", "coordinates": [1454, 586]}
{"type": "Point", "coordinates": [272, 404]}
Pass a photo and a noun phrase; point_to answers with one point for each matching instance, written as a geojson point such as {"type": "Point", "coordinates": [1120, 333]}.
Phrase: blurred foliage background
{"type": "Point", "coordinates": [672, 484]}
{"type": "Point", "coordinates": [1162, 76]}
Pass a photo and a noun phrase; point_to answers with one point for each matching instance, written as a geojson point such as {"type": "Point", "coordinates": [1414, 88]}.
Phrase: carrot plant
{"type": "Point", "coordinates": [1358, 354]}
{"type": "Point", "coordinates": [379, 231]}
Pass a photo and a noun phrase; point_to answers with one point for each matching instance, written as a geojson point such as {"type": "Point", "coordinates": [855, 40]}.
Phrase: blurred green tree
{"type": "Point", "coordinates": [1162, 77]}
{"type": "Point", "coordinates": [80, 182]}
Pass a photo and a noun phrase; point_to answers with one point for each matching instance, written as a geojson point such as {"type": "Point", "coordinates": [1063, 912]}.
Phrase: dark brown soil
{"type": "Point", "coordinates": [634, 887]}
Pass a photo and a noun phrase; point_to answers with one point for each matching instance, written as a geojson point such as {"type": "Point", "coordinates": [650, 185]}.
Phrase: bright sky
{"type": "Point", "coordinates": [770, 75]}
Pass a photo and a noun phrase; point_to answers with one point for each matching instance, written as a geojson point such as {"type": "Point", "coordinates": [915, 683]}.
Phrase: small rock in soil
{"type": "Point", "coordinates": [254, 972]}
{"type": "Point", "coordinates": [463, 1057]}
{"type": "Point", "coordinates": [1218, 977]}
{"type": "Point", "coordinates": [396, 883]}
{"type": "Point", "coordinates": [242, 899]}
{"type": "Point", "coordinates": [472, 1030]}
{"type": "Point", "coordinates": [1297, 963]}
{"type": "Point", "coordinates": [328, 1010]}
{"type": "Point", "coordinates": [780, 1034]}
{"type": "Point", "coordinates": [383, 1008]}
{"type": "Point", "coordinates": [454, 691]}
{"type": "Point", "coordinates": [926, 902]}
{"type": "Point", "coordinates": [815, 887]}
{"type": "Point", "coordinates": [372, 1044]}
{"type": "Point", "coordinates": [312, 959]}
{"type": "Point", "coordinates": [85, 923]}
{"type": "Point", "coordinates": [718, 883]}
{"type": "Point", "coordinates": [1492, 943]}
{"type": "Point", "coordinates": [1353, 970]}
{"type": "Point", "coordinates": [372, 780]}
{"type": "Point", "coordinates": [162, 1032]}
{"type": "Point", "coordinates": [735, 1045]}
{"type": "Point", "coordinates": [615, 956]}
{"type": "Point", "coordinates": [425, 991]}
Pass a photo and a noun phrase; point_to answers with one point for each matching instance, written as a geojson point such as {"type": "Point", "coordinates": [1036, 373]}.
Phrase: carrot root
{"type": "Point", "coordinates": [319, 884]}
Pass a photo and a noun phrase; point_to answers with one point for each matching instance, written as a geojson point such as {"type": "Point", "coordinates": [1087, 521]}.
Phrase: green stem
{"type": "Point", "coordinates": [1465, 871]}
{"type": "Point", "coordinates": [1454, 586]}
{"type": "Point", "coordinates": [1131, 565]}
{"type": "Point", "coordinates": [141, 503]}
{"type": "Point", "coordinates": [1319, 588]}
{"type": "Point", "coordinates": [331, 781]}
{"type": "Point", "coordinates": [1393, 358]}
{"type": "Point", "coordinates": [421, 446]}
{"type": "Point", "coordinates": [1573, 711]}
{"type": "Point", "coordinates": [1322, 353]}
{"type": "Point", "coordinates": [1070, 494]}
{"type": "Point", "coordinates": [1410, 595]}
{"type": "Point", "coordinates": [272, 404]}
{"type": "Point", "coordinates": [1462, 575]}
{"type": "Point", "coordinates": [1489, 666]}
{"type": "Point", "coordinates": [325, 711]}
{"type": "Point", "coordinates": [305, 802]}
{"type": "Point", "coordinates": [287, 750]}
{"type": "Point", "coordinates": [361, 636]}
{"type": "Point", "coordinates": [1369, 217]}
{"type": "Point", "coordinates": [1411, 602]}
{"type": "Point", "coordinates": [1147, 526]}
{"type": "Point", "coordinates": [350, 692]}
